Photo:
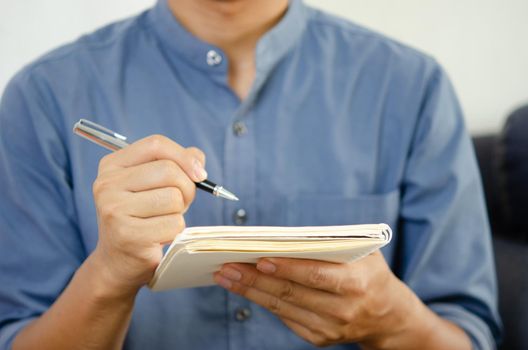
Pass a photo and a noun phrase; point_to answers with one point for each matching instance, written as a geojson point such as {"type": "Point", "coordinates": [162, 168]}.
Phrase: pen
{"type": "Point", "coordinates": [113, 141]}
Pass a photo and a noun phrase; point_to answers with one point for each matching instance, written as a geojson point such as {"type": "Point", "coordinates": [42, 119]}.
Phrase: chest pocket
{"type": "Point", "coordinates": [329, 210]}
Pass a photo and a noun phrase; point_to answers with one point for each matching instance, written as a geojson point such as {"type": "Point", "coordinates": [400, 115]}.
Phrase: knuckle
{"type": "Point", "coordinates": [250, 280]}
{"type": "Point", "coordinates": [105, 163]}
{"type": "Point", "coordinates": [341, 287]}
{"type": "Point", "coordinates": [344, 315]}
{"type": "Point", "coordinates": [287, 291]}
{"type": "Point", "coordinates": [156, 142]}
{"type": "Point", "coordinates": [316, 276]}
{"type": "Point", "coordinates": [108, 211]}
{"type": "Point", "coordinates": [357, 286]}
{"type": "Point", "coordinates": [106, 182]}
{"type": "Point", "coordinates": [273, 304]}
{"type": "Point", "coordinates": [100, 185]}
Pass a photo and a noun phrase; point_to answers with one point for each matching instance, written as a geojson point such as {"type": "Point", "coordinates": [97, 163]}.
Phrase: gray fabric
{"type": "Point", "coordinates": [512, 260]}
{"type": "Point", "coordinates": [503, 162]}
{"type": "Point", "coordinates": [514, 170]}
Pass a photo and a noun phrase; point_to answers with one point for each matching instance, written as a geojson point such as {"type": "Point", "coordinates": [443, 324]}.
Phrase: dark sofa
{"type": "Point", "coordinates": [503, 161]}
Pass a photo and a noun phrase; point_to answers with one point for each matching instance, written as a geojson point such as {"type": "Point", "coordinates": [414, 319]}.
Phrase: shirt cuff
{"type": "Point", "coordinates": [9, 332]}
{"type": "Point", "coordinates": [477, 330]}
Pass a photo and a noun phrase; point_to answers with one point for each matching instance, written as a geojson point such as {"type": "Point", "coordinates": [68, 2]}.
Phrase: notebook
{"type": "Point", "coordinates": [198, 252]}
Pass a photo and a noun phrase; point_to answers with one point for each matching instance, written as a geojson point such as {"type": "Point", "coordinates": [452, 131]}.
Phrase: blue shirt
{"type": "Point", "coordinates": [342, 126]}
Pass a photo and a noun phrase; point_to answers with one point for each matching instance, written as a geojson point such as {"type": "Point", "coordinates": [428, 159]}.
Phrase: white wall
{"type": "Point", "coordinates": [483, 44]}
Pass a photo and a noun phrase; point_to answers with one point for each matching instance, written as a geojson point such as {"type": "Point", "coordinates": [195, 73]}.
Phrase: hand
{"type": "Point", "coordinates": [141, 194]}
{"type": "Point", "coordinates": [327, 303]}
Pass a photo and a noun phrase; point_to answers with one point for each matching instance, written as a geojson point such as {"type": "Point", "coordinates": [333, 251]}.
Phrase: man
{"type": "Point", "coordinates": [309, 119]}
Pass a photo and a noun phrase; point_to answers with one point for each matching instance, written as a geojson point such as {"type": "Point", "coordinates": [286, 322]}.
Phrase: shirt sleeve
{"type": "Point", "coordinates": [445, 252]}
{"type": "Point", "coordinates": [40, 247]}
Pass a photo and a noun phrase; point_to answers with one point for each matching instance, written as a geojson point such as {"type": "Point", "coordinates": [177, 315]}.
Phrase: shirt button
{"type": "Point", "coordinates": [242, 314]}
{"type": "Point", "coordinates": [213, 58]}
{"type": "Point", "coordinates": [239, 128]}
{"type": "Point", "coordinates": [240, 217]}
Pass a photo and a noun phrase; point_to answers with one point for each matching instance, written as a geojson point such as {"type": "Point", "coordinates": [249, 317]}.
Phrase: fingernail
{"type": "Point", "coordinates": [223, 282]}
{"type": "Point", "coordinates": [266, 266]}
{"type": "Point", "coordinates": [199, 172]}
{"type": "Point", "coordinates": [231, 274]}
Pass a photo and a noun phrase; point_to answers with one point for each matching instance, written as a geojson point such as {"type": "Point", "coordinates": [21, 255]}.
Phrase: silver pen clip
{"type": "Point", "coordinates": [100, 135]}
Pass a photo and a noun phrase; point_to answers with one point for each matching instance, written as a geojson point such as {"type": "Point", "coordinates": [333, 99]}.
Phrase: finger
{"type": "Point", "coordinates": [327, 276]}
{"type": "Point", "coordinates": [318, 301]}
{"type": "Point", "coordinates": [153, 148]}
{"type": "Point", "coordinates": [158, 229]}
{"type": "Point", "coordinates": [275, 305]}
{"type": "Point", "coordinates": [157, 202]}
{"type": "Point", "coordinates": [198, 154]}
{"type": "Point", "coordinates": [159, 174]}
{"type": "Point", "coordinates": [144, 177]}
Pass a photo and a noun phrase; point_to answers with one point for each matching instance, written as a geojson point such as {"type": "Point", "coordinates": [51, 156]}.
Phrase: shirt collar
{"type": "Point", "coordinates": [271, 48]}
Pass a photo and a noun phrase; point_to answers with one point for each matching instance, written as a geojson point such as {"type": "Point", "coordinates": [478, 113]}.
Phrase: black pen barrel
{"type": "Point", "coordinates": [206, 185]}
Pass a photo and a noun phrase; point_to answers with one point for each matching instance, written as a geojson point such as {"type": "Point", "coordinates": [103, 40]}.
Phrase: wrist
{"type": "Point", "coordinates": [410, 324]}
{"type": "Point", "coordinates": [105, 286]}
{"type": "Point", "coordinates": [406, 325]}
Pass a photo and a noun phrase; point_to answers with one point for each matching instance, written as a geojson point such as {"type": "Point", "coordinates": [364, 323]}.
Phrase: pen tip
{"type": "Point", "coordinates": [227, 195]}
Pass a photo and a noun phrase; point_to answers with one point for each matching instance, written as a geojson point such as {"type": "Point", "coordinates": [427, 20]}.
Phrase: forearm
{"type": "Point", "coordinates": [89, 314]}
{"type": "Point", "coordinates": [421, 328]}
{"type": "Point", "coordinates": [140, 193]}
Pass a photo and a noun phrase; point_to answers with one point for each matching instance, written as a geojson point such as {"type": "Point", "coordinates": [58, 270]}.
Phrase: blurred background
{"type": "Point", "coordinates": [483, 44]}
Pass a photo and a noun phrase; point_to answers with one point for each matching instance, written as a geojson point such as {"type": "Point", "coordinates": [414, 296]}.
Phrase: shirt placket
{"type": "Point", "coordinates": [240, 176]}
